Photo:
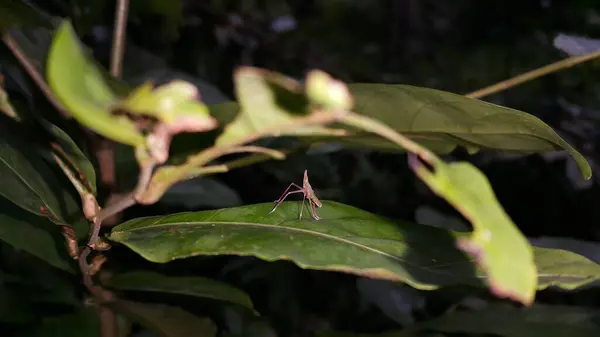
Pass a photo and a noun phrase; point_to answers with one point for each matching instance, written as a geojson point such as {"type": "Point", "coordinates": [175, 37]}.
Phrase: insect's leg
{"type": "Point", "coordinates": [284, 195]}
{"type": "Point", "coordinates": [302, 207]}
{"type": "Point", "coordinates": [314, 211]}
{"type": "Point", "coordinates": [280, 200]}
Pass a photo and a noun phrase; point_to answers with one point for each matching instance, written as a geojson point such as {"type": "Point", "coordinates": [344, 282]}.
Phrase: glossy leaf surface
{"type": "Point", "coordinates": [346, 239]}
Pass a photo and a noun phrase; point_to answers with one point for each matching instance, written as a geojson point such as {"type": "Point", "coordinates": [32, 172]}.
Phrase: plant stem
{"type": "Point", "coordinates": [165, 177]}
{"type": "Point", "coordinates": [119, 34]}
{"type": "Point", "coordinates": [530, 75]}
{"type": "Point", "coordinates": [34, 74]}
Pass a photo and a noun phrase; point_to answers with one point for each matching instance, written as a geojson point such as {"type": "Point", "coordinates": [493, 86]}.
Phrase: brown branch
{"type": "Point", "coordinates": [119, 34]}
{"type": "Point", "coordinates": [34, 74]}
{"type": "Point", "coordinates": [106, 148]}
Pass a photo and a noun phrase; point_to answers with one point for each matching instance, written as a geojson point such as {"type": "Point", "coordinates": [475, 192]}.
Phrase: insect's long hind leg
{"type": "Point", "coordinates": [282, 198]}
{"type": "Point", "coordinates": [285, 194]}
{"type": "Point", "coordinates": [314, 211]}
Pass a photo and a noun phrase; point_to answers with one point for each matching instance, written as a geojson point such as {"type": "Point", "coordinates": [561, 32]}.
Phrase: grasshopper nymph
{"type": "Point", "coordinates": [307, 192]}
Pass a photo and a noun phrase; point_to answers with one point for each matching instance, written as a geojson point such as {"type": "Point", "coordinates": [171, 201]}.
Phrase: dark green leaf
{"type": "Point", "coordinates": [83, 323]}
{"type": "Point", "coordinates": [27, 180]}
{"type": "Point", "coordinates": [35, 281]}
{"type": "Point", "coordinates": [192, 286]}
{"type": "Point", "coordinates": [17, 13]}
{"type": "Point", "coordinates": [12, 307]}
{"type": "Point", "coordinates": [167, 321]}
{"type": "Point", "coordinates": [33, 234]}
{"type": "Point", "coordinates": [346, 239]}
{"type": "Point", "coordinates": [503, 320]}
{"type": "Point", "coordinates": [458, 120]}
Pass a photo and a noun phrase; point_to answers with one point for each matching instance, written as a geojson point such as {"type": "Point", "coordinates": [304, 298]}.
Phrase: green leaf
{"type": "Point", "coordinates": [564, 269]}
{"type": "Point", "coordinates": [503, 320]}
{"type": "Point", "coordinates": [191, 286]}
{"type": "Point", "coordinates": [82, 88]}
{"type": "Point", "coordinates": [496, 243]}
{"type": "Point", "coordinates": [175, 104]}
{"type": "Point", "coordinates": [6, 107]}
{"type": "Point", "coordinates": [438, 120]}
{"type": "Point", "coordinates": [539, 320]}
{"type": "Point", "coordinates": [33, 234]}
{"type": "Point", "coordinates": [458, 120]}
{"type": "Point", "coordinates": [267, 100]}
{"type": "Point", "coordinates": [26, 178]}
{"type": "Point", "coordinates": [346, 239]}
{"type": "Point", "coordinates": [83, 323]}
{"type": "Point", "coordinates": [16, 13]}
{"type": "Point", "coordinates": [167, 321]}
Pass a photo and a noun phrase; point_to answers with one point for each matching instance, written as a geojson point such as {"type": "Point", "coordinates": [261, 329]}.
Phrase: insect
{"type": "Point", "coordinates": [308, 193]}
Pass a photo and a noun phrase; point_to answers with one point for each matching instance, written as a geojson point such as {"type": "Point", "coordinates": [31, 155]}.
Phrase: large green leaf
{"type": "Point", "coordinates": [193, 286]}
{"type": "Point", "coordinates": [165, 320]}
{"type": "Point", "coordinates": [33, 234]}
{"type": "Point", "coordinates": [346, 239]}
{"type": "Point", "coordinates": [458, 120]}
{"type": "Point", "coordinates": [439, 121]}
{"type": "Point", "coordinates": [502, 320]}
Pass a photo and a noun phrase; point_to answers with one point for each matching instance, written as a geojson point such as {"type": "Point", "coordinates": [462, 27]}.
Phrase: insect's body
{"type": "Point", "coordinates": [307, 192]}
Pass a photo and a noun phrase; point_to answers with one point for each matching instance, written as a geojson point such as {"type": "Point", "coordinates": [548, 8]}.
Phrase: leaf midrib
{"type": "Point", "coordinates": [270, 226]}
{"type": "Point", "coordinates": [306, 231]}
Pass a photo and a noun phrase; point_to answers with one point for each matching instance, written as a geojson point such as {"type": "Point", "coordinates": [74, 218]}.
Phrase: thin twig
{"type": "Point", "coordinates": [255, 149]}
{"type": "Point", "coordinates": [119, 34]}
{"type": "Point", "coordinates": [106, 152]}
{"type": "Point", "coordinates": [108, 319]}
{"type": "Point", "coordinates": [265, 154]}
{"type": "Point", "coordinates": [34, 74]}
{"type": "Point", "coordinates": [530, 75]}
{"type": "Point", "coordinates": [318, 117]}
{"type": "Point", "coordinates": [181, 172]}
{"type": "Point", "coordinates": [117, 207]}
